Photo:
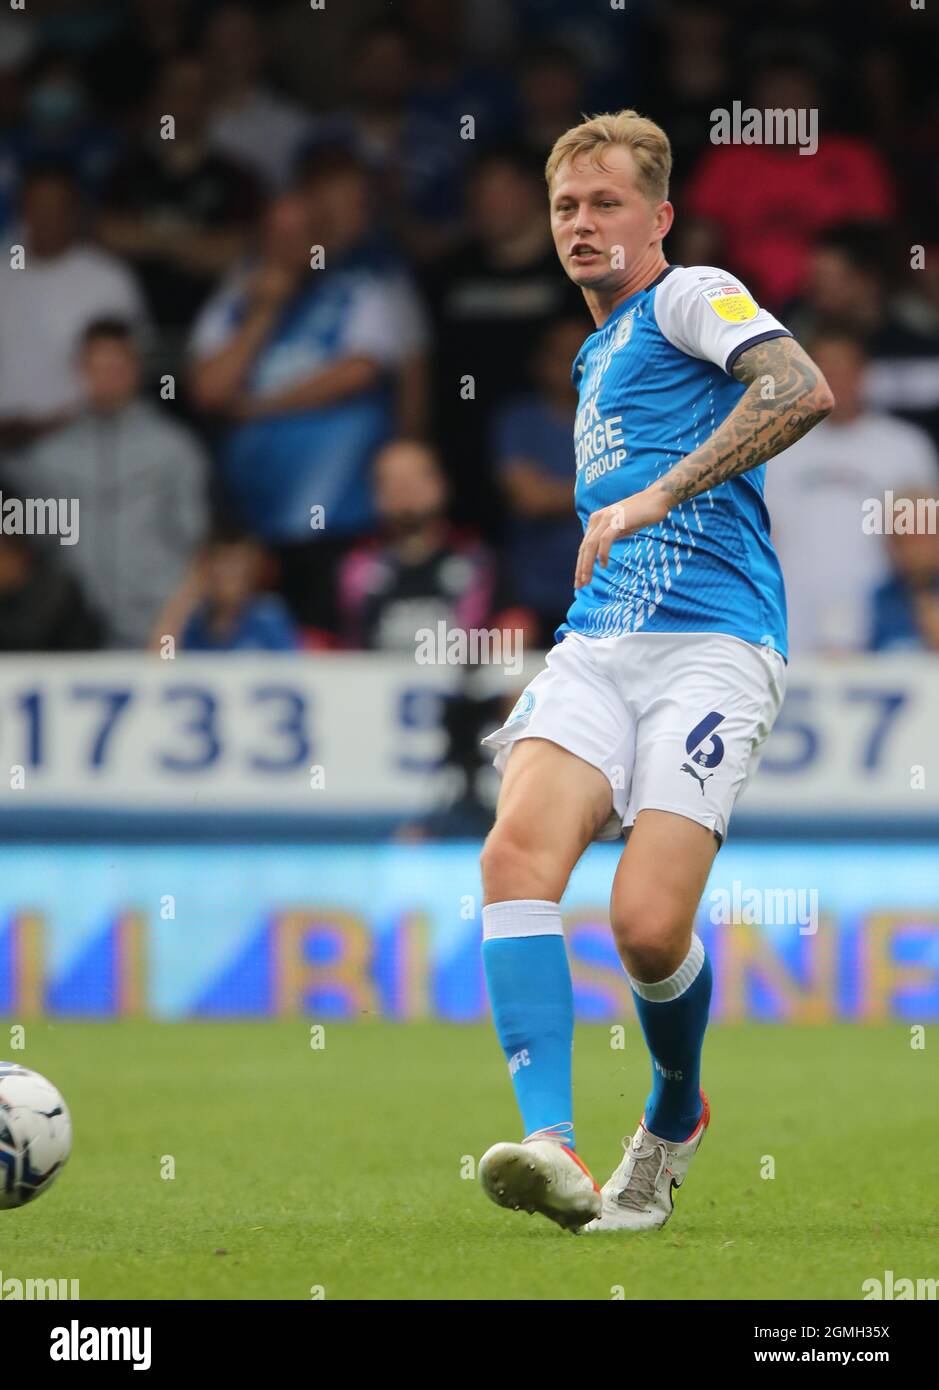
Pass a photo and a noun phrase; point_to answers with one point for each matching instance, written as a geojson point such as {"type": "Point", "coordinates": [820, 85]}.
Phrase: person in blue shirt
{"type": "Point", "coordinates": [222, 605]}
{"type": "Point", "coordinates": [305, 357]}
{"type": "Point", "coordinates": [532, 446]}
{"type": "Point", "coordinates": [667, 676]}
{"type": "Point", "coordinates": [905, 607]}
{"type": "Point", "coordinates": [58, 127]}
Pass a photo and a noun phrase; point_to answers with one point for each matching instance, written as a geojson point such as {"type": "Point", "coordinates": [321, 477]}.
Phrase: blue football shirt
{"type": "Point", "coordinates": [654, 383]}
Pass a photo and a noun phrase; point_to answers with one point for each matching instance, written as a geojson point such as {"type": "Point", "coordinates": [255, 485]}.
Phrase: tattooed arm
{"type": "Point", "coordinates": [761, 424]}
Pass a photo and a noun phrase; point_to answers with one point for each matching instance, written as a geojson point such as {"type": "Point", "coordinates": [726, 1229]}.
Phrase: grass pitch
{"type": "Point", "coordinates": [345, 1169]}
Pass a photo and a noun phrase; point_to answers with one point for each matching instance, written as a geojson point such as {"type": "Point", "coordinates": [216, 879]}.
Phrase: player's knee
{"type": "Point", "coordinates": [513, 866]}
{"type": "Point", "coordinates": [646, 935]}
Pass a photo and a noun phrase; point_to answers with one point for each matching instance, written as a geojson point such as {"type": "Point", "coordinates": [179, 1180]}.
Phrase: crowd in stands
{"type": "Point", "coordinates": [282, 312]}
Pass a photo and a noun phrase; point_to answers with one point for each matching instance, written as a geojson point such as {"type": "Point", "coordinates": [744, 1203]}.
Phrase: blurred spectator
{"type": "Point", "coordinates": [766, 236]}
{"type": "Point", "coordinates": [420, 571]}
{"type": "Point", "coordinates": [120, 72]}
{"type": "Point", "coordinates": [176, 209]}
{"type": "Point", "coordinates": [534, 456]}
{"type": "Point", "coordinates": [689, 74]}
{"type": "Point", "coordinates": [46, 305]}
{"type": "Point", "coordinates": [552, 95]}
{"type": "Point", "coordinates": [816, 493]}
{"type": "Point", "coordinates": [850, 283]}
{"type": "Point", "coordinates": [57, 126]}
{"type": "Point", "coordinates": [492, 299]}
{"type": "Point", "coordinates": [905, 607]}
{"type": "Point", "coordinates": [450, 86]}
{"type": "Point", "coordinates": [302, 375]}
{"type": "Point", "coordinates": [305, 364]}
{"type": "Point", "coordinates": [19, 40]}
{"type": "Point", "coordinates": [12, 93]}
{"type": "Point", "coordinates": [311, 59]}
{"type": "Point", "coordinates": [417, 165]}
{"type": "Point", "coordinates": [916, 302]}
{"type": "Point", "coordinates": [138, 478]}
{"type": "Point", "coordinates": [42, 609]}
{"type": "Point", "coordinates": [249, 121]}
{"type": "Point", "coordinates": [221, 605]}
{"type": "Point", "coordinates": [606, 40]}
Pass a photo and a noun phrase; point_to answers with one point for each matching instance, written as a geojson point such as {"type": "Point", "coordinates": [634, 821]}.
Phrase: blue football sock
{"type": "Point", "coordinates": [529, 983]}
{"type": "Point", "coordinates": [674, 1016]}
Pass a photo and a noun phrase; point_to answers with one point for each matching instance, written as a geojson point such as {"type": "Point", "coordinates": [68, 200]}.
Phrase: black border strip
{"type": "Point", "coordinates": [751, 342]}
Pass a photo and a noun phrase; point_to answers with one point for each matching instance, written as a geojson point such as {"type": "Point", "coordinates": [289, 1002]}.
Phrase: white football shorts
{"type": "Point", "coordinates": [675, 721]}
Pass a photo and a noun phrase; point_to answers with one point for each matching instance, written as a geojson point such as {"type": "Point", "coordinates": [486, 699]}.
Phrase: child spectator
{"type": "Point", "coordinates": [222, 605]}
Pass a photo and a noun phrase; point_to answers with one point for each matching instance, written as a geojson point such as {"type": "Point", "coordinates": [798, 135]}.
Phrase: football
{"type": "Point", "coordinates": [35, 1134]}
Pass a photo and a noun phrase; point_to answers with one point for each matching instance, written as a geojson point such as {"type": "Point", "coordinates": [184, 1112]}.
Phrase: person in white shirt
{"type": "Point", "coordinates": [830, 561]}
{"type": "Point", "coordinates": [249, 121]}
{"type": "Point", "coordinates": [52, 287]}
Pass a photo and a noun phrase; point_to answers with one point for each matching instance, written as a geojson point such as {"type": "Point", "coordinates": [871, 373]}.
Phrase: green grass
{"type": "Point", "coordinates": [342, 1168]}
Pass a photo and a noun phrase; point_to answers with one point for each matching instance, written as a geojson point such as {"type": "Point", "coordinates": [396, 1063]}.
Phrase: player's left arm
{"type": "Point", "coordinates": [762, 424]}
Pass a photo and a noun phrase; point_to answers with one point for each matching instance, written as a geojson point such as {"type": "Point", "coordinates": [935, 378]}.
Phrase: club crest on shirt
{"type": "Point", "coordinates": [523, 706]}
{"type": "Point", "coordinates": [730, 303]}
{"type": "Point", "coordinates": [624, 331]}
{"type": "Point", "coordinates": [624, 328]}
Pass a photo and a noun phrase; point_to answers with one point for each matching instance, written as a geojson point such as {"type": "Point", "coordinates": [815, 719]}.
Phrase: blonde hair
{"type": "Point", "coordinates": [647, 141]}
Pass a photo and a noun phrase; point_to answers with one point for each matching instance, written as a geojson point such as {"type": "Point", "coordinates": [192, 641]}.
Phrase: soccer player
{"type": "Point", "coordinates": [667, 676]}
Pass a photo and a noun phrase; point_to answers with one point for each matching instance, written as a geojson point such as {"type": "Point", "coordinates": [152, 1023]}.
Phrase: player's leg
{"type": "Point", "coordinates": [695, 752]}
{"type": "Point", "coordinates": [658, 885]}
{"type": "Point", "coordinates": [551, 806]}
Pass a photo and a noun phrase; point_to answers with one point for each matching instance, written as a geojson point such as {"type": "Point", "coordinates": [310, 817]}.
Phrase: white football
{"type": "Point", "coordinates": [35, 1134]}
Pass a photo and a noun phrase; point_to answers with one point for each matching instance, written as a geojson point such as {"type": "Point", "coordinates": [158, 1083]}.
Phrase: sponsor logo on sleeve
{"type": "Point", "coordinates": [730, 303]}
